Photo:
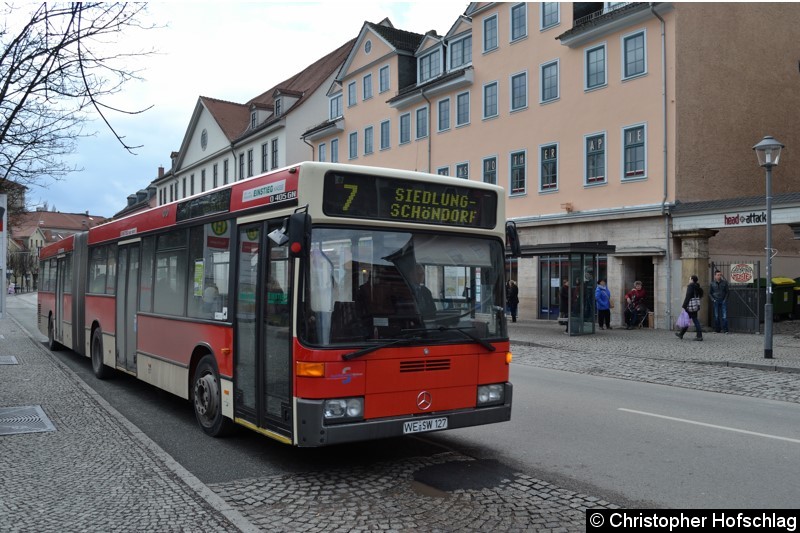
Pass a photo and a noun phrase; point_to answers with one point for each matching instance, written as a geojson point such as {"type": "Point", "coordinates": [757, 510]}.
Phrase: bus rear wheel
{"type": "Point", "coordinates": [101, 371]}
{"type": "Point", "coordinates": [208, 400]}
{"type": "Point", "coordinates": [52, 343]}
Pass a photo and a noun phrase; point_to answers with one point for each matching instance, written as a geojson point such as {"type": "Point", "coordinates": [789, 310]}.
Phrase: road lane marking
{"type": "Point", "coordinates": [735, 430]}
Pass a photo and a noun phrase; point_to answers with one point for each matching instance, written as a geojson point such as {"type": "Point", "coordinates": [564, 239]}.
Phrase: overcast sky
{"type": "Point", "coordinates": [230, 51]}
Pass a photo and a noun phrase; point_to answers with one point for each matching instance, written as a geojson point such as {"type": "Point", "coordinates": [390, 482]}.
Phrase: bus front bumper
{"type": "Point", "coordinates": [312, 431]}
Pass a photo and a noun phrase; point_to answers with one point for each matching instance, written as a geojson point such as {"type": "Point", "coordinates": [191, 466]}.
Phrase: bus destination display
{"type": "Point", "coordinates": [364, 196]}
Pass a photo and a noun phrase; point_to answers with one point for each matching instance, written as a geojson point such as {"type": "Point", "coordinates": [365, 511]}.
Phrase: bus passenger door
{"type": "Point", "coordinates": [262, 375]}
{"type": "Point", "coordinates": [61, 280]}
{"type": "Point", "coordinates": [127, 300]}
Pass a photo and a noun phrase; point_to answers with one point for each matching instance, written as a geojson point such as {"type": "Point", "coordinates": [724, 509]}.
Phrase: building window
{"type": "Point", "coordinates": [274, 153]}
{"type": "Point", "coordinates": [443, 171]}
{"type": "Point", "coordinates": [596, 67]}
{"type": "Point", "coordinates": [277, 107]}
{"type": "Point", "coordinates": [444, 114]}
{"type": "Point", "coordinates": [490, 170]}
{"type": "Point", "coordinates": [548, 168]}
{"type": "Point", "coordinates": [353, 145]}
{"type": "Point", "coordinates": [241, 166]}
{"type": "Point", "coordinates": [191, 185]}
{"type": "Point", "coordinates": [367, 82]}
{"type": "Point", "coordinates": [334, 150]}
{"type": "Point", "coordinates": [595, 159]}
{"type": "Point", "coordinates": [518, 173]}
{"type": "Point", "coordinates": [405, 128]}
{"type": "Point", "coordinates": [322, 154]}
{"type": "Point", "coordinates": [462, 171]}
{"type": "Point", "coordinates": [383, 82]}
{"type": "Point", "coordinates": [430, 66]}
{"type": "Point", "coordinates": [461, 52]}
{"type": "Point", "coordinates": [264, 157]}
{"type": "Point", "coordinates": [519, 91]}
{"type": "Point", "coordinates": [336, 107]}
{"type": "Point", "coordinates": [368, 140]}
{"type": "Point", "coordinates": [203, 180]}
{"type": "Point", "coordinates": [462, 109]}
{"type": "Point", "coordinates": [550, 14]}
{"type": "Point", "coordinates": [422, 123]}
{"type": "Point", "coordinates": [250, 162]}
{"type": "Point", "coordinates": [490, 100]}
{"type": "Point", "coordinates": [490, 33]}
{"type": "Point", "coordinates": [519, 21]}
{"type": "Point", "coordinates": [634, 146]}
{"type": "Point", "coordinates": [253, 120]}
{"type": "Point", "coordinates": [549, 81]}
{"type": "Point", "coordinates": [225, 172]}
{"type": "Point", "coordinates": [184, 188]}
{"type": "Point", "coordinates": [386, 132]}
{"type": "Point", "coordinates": [215, 175]}
{"type": "Point", "coordinates": [634, 63]}
{"type": "Point", "coordinates": [351, 94]}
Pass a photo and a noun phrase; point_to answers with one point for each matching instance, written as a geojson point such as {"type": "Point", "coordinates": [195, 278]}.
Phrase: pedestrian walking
{"type": "Point", "coordinates": [691, 304]}
{"type": "Point", "coordinates": [602, 296]}
{"type": "Point", "coordinates": [719, 299]}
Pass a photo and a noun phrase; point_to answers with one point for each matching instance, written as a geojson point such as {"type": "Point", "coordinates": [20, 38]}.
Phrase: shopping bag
{"type": "Point", "coordinates": [683, 320]}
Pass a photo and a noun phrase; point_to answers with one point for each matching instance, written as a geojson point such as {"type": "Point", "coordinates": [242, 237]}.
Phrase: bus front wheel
{"type": "Point", "coordinates": [101, 371]}
{"type": "Point", "coordinates": [208, 400]}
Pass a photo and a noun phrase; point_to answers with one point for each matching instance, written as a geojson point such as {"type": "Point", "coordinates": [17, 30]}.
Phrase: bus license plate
{"type": "Point", "coordinates": [420, 426]}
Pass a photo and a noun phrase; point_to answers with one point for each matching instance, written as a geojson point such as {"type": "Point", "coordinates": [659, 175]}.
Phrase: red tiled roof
{"type": "Point", "coordinates": [234, 119]}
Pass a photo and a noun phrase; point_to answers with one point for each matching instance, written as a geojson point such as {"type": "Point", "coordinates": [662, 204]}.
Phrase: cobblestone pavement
{"type": "Point", "coordinates": [732, 363]}
{"type": "Point", "coordinates": [390, 497]}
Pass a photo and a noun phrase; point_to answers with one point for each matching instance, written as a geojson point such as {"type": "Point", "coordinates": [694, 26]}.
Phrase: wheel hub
{"type": "Point", "coordinates": [205, 396]}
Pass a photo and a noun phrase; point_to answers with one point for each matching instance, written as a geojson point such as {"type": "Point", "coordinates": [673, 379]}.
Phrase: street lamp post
{"type": "Point", "coordinates": [768, 152]}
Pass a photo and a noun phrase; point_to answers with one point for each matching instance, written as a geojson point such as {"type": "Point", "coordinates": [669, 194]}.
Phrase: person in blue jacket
{"type": "Point", "coordinates": [603, 298]}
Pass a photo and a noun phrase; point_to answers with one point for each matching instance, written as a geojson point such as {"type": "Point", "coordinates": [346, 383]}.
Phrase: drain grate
{"type": "Point", "coordinates": [28, 419]}
{"type": "Point", "coordinates": [8, 360]}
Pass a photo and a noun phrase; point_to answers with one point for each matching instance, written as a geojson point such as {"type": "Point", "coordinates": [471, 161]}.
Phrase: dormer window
{"type": "Point", "coordinates": [335, 106]}
{"type": "Point", "coordinates": [253, 120]}
{"type": "Point", "coordinates": [430, 66]}
{"type": "Point", "coordinates": [461, 52]}
{"type": "Point", "coordinates": [278, 109]}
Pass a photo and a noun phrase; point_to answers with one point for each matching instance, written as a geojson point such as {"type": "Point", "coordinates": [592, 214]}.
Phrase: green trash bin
{"type": "Point", "coordinates": [783, 297]}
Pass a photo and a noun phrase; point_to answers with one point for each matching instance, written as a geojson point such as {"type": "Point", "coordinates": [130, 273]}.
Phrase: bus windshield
{"type": "Point", "coordinates": [365, 286]}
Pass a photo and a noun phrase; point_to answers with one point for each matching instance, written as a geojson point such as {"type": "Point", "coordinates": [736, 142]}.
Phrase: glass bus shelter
{"type": "Point", "coordinates": [566, 288]}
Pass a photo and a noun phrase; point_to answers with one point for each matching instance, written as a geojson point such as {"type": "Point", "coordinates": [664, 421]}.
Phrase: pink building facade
{"type": "Point", "coordinates": [627, 124]}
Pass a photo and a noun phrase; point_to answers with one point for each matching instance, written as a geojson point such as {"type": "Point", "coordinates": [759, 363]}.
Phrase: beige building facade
{"type": "Point", "coordinates": [616, 123]}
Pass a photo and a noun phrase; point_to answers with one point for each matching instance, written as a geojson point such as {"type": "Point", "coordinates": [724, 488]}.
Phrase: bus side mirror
{"type": "Point", "coordinates": [512, 239]}
{"type": "Point", "coordinates": [299, 233]}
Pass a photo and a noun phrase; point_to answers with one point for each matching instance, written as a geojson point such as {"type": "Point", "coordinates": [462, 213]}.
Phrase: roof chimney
{"type": "Point", "coordinates": [160, 172]}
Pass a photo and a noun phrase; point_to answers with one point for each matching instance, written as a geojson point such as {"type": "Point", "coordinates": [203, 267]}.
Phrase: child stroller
{"type": "Point", "coordinates": [636, 315]}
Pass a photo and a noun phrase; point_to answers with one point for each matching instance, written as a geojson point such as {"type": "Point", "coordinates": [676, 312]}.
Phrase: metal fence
{"type": "Point", "coordinates": [745, 300]}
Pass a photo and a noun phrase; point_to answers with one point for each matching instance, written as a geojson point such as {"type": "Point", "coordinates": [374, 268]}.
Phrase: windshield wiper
{"type": "Point", "coordinates": [370, 349]}
{"type": "Point", "coordinates": [465, 331]}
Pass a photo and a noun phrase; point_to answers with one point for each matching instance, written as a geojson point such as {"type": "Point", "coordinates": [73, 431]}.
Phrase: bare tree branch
{"type": "Point", "coordinates": [58, 67]}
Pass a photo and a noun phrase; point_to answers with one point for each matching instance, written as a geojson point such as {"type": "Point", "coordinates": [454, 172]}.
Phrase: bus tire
{"type": "Point", "coordinates": [52, 344]}
{"type": "Point", "coordinates": [101, 371]}
{"type": "Point", "coordinates": [207, 399]}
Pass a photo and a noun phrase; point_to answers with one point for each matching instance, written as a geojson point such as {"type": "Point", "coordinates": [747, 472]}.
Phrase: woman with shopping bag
{"type": "Point", "coordinates": [691, 305]}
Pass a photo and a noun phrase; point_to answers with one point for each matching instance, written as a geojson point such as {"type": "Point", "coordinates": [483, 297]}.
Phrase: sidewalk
{"type": "Point", "coordinates": [735, 349]}
{"type": "Point", "coordinates": [71, 462]}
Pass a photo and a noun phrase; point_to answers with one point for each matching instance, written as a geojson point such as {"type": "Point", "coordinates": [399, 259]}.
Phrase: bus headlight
{"type": "Point", "coordinates": [491, 394]}
{"type": "Point", "coordinates": [343, 409]}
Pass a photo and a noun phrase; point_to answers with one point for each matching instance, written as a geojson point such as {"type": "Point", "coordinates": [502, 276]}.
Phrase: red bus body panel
{"type": "Point", "coordinates": [176, 339]}
{"type": "Point", "coordinates": [102, 309]}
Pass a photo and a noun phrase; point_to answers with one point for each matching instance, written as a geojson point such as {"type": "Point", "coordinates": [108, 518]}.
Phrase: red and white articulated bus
{"type": "Point", "coordinates": [317, 304]}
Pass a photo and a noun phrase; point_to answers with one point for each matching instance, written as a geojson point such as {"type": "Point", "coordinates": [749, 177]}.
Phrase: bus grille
{"type": "Point", "coordinates": [424, 365]}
